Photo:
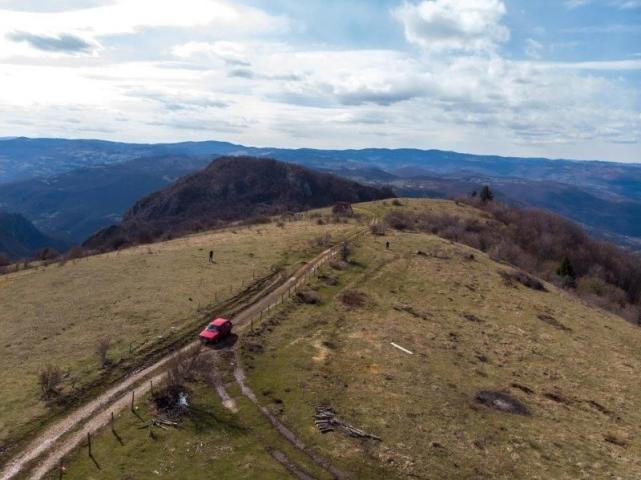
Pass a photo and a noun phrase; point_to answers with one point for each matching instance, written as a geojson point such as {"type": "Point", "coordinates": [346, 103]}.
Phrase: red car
{"type": "Point", "coordinates": [216, 330]}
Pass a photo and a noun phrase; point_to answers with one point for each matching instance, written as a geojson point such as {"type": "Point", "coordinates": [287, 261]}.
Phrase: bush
{"type": "Point", "coordinates": [379, 229]}
{"type": "Point", "coordinates": [400, 220]}
{"type": "Point", "coordinates": [322, 240]}
{"type": "Point", "coordinates": [486, 194]}
{"type": "Point", "coordinates": [524, 279]}
{"type": "Point", "coordinates": [308, 297]}
{"type": "Point", "coordinates": [343, 209]}
{"type": "Point", "coordinates": [345, 252]}
{"type": "Point", "coordinates": [397, 203]}
{"type": "Point", "coordinates": [49, 380]}
{"type": "Point", "coordinates": [566, 269]}
{"type": "Point", "coordinates": [47, 254]}
{"type": "Point", "coordinates": [102, 349]}
{"type": "Point", "coordinates": [75, 252]}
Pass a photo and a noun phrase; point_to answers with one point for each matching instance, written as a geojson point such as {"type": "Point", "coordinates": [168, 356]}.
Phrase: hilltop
{"type": "Point", "coordinates": [462, 364]}
{"type": "Point", "coordinates": [230, 189]}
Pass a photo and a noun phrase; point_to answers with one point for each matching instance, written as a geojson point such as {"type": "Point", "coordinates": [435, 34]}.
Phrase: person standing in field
{"type": "Point", "coordinates": [211, 256]}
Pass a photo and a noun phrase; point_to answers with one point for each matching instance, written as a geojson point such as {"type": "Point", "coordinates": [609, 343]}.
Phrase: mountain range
{"type": "Point", "coordinates": [230, 189]}
{"type": "Point", "coordinates": [72, 188]}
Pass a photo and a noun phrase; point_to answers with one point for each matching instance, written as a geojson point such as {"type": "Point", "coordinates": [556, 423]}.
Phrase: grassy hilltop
{"type": "Point", "coordinates": [141, 299]}
{"type": "Point", "coordinates": [504, 380]}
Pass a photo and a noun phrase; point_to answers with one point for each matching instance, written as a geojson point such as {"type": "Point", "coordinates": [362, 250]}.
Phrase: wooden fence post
{"type": "Point", "coordinates": [133, 397]}
{"type": "Point", "coordinates": [113, 428]}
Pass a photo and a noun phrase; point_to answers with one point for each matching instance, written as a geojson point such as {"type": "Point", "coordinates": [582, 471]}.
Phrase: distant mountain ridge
{"type": "Point", "coordinates": [76, 204]}
{"type": "Point", "coordinates": [231, 189]}
{"type": "Point", "coordinates": [604, 197]}
{"type": "Point", "coordinates": [20, 239]}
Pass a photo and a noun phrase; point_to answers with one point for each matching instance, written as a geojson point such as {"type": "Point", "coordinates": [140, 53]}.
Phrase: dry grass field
{"type": "Point", "coordinates": [573, 367]}
{"type": "Point", "coordinates": [138, 298]}
{"type": "Point", "coordinates": [481, 344]}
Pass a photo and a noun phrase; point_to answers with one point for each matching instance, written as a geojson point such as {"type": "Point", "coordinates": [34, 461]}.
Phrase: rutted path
{"type": "Point", "coordinates": [62, 437]}
{"type": "Point", "coordinates": [280, 427]}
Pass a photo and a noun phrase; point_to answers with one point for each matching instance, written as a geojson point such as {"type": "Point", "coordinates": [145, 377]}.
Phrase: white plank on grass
{"type": "Point", "coordinates": [401, 348]}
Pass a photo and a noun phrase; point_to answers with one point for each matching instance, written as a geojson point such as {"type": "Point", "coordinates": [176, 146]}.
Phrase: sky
{"type": "Point", "coordinates": [552, 78]}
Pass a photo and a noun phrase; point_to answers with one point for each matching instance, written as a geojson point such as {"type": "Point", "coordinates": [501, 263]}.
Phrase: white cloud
{"type": "Point", "coordinates": [231, 77]}
{"type": "Point", "coordinates": [443, 25]}
{"type": "Point", "coordinates": [233, 53]}
{"type": "Point", "coordinates": [130, 16]}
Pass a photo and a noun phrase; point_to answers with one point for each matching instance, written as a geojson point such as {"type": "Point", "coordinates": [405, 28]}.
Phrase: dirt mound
{"type": "Point", "coordinates": [309, 297]}
{"type": "Point", "coordinates": [354, 298]}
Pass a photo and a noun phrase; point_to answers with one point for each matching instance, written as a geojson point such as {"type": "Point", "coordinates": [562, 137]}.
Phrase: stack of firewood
{"type": "Point", "coordinates": [326, 421]}
{"type": "Point", "coordinates": [325, 418]}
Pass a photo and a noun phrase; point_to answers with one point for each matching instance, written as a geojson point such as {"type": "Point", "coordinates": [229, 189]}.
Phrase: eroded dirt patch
{"type": "Point", "coordinates": [354, 299]}
{"type": "Point", "coordinates": [501, 402]}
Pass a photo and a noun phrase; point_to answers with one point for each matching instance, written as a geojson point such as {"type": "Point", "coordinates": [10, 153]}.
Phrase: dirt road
{"type": "Point", "coordinates": [62, 437]}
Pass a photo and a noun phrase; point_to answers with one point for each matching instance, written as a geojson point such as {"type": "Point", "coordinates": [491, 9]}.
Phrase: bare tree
{"type": "Point", "coordinates": [49, 380]}
{"type": "Point", "coordinates": [102, 350]}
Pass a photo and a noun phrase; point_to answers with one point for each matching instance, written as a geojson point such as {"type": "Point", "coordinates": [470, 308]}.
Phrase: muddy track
{"type": "Point", "coordinates": [239, 374]}
{"type": "Point", "coordinates": [62, 437]}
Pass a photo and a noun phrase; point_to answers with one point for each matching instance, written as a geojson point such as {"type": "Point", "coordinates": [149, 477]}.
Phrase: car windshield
{"type": "Point", "coordinates": [213, 327]}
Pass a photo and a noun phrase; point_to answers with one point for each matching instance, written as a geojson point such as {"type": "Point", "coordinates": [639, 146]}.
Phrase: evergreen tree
{"type": "Point", "coordinates": [566, 269]}
{"type": "Point", "coordinates": [486, 194]}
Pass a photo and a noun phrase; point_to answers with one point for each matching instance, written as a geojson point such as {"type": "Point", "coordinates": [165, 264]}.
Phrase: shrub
{"type": "Point", "coordinates": [524, 279]}
{"type": "Point", "coordinates": [322, 240]}
{"type": "Point", "coordinates": [343, 209]}
{"type": "Point", "coordinates": [308, 297]}
{"type": "Point", "coordinates": [75, 252]}
{"type": "Point", "coordinates": [49, 380]}
{"type": "Point", "coordinates": [566, 269]}
{"type": "Point", "coordinates": [397, 203]}
{"type": "Point", "coordinates": [47, 254]}
{"type": "Point", "coordinates": [378, 229]}
{"type": "Point", "coordinates": [345, 252]}
{"type": "Point", "coordinates": [486, 194]}
{"type": "Point", "coordinates": [102, 350]}
{"type": "Point", "coordinates": [400, 220]}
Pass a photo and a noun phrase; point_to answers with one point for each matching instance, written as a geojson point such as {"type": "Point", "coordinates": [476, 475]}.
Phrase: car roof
{"type": "Point", "coordinates": [219, 321]}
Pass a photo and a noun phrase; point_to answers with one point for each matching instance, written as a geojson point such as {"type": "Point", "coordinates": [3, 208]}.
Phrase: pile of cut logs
{"type": "Point", "coordinates": [326, 421]}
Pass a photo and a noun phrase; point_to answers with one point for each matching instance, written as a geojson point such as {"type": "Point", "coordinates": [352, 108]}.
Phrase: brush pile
{"type": "Point", "coordinates": [326, 421]}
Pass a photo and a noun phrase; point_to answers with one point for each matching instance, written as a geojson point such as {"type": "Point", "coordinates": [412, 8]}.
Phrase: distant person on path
{"type": "Point", "coordinates": [211, 256]}
{"type": "Point", "coordinates": [387, 245]}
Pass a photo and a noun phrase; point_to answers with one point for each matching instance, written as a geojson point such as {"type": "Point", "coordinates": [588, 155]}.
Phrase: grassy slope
{"type": "Point", "coordinates": [582, 375]}
{"type": "Point", "coordinates": [214, 442]}
{"type": "Point", "coordinates": [138, 297]}
{"type": "Point", "coordinates": [423, 405]}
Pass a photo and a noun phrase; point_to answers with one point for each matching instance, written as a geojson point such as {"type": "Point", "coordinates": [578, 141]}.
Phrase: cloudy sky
{"type": "Point", "coordinates": [517, 77]}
